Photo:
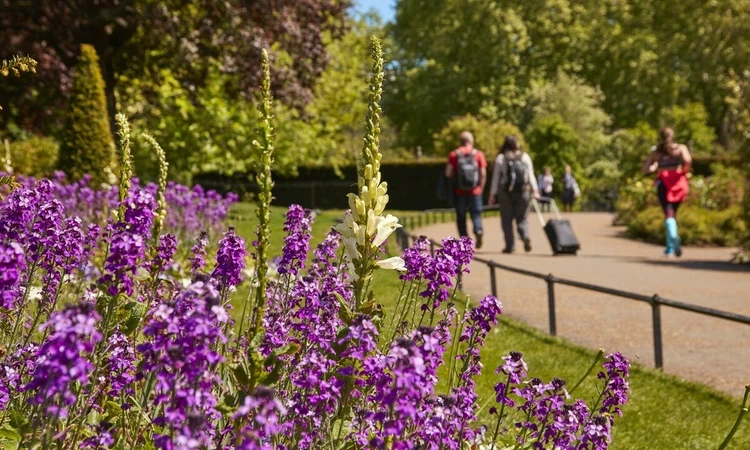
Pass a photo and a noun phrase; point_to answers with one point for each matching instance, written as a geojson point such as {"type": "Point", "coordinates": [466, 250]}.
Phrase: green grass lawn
{"type": "Point", "coordinates": [663, 413]}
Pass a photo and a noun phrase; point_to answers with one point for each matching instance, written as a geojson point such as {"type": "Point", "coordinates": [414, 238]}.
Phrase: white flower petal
{"type": "Point", "coordinates": [394, 263]}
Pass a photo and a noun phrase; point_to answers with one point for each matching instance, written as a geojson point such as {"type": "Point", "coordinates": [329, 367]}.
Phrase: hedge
{"type": "Point", "coordinates": [412, 185]}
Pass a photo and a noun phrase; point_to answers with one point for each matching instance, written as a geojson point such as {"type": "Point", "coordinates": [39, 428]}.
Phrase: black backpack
{"type": "Point", "coordinates": [516, 178]}
{"type": "Point", "coordinates": [467, 174]}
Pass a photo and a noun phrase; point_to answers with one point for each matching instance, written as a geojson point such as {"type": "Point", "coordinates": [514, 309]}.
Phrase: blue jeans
{"type": "Point", "coordinates": [473, 204]}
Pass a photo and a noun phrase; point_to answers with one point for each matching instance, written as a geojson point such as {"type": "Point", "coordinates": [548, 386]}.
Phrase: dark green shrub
{"type": "Point", "coordinates": [88, 145]}
{"type": "Point", "coordinates": [36, 156]}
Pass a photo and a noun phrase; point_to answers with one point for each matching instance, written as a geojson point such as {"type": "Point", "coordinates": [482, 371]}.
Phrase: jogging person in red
{"type": "Point", "coordinates": [467, 167]}
{"type": "Point", "coordinates": [672, 162]}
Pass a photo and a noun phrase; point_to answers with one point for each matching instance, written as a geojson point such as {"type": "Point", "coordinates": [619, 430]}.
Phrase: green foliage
{"type": "Point", "coordinates": [630, 147]}
{"type": "Point", "coordinates": [454, 59]}
{"type": "Point", "coordinates": [579, 106]}
{"type": "Point", "coordinates": [690, 123]}
{"type": "Point", "coordinates": [553, 143]}
{"type": "Point", "coordinates": [35, 156]}
{"type": "Point", "coordinates": [16, 65]}
{"type": "Point", "coordinates": [488, 135]}
{"type": "Point", "coordinates": [711, 214]}
{"type": "Point", "coordinates": [697, 226]}
{"type": "Point", "coordinates": [603, 184]}
{"type": "Point", "coordinates": [88, 147]}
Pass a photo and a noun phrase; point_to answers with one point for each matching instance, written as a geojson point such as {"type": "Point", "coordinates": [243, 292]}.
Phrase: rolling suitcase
{"type": "Point", "coordinates": [559, 231]}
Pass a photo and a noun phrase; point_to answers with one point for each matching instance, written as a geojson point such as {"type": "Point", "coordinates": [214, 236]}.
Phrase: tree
{"type": "Point", "coordinates": [553, 143]}
{"type": "Point", "coordinates": [454, 58]}
{"type": "Point", "coordinates": [88, 146]}
{"type": "Point", "coordinates": [137, 38]}
{"type": "Point", "coordinates": [579, 106]}
{"type": "Point", "coordinates": [488, 136]}
{"type": "Point", "coordinates": [690, 123]}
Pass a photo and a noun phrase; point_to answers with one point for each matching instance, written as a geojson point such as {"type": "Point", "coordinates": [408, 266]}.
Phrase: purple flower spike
{"type": "Point", "coordinates": [230, 259]}
{"type": "Point", "coordinates": [297, 243]}
{"type": "Point", "coordinates": [61, 359]}
{"type": "Point", "coordinates": [12, 267]}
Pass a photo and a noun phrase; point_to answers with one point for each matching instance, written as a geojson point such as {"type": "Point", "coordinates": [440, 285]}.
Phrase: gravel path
{"type": "Point", "coordinates": [696, 347]}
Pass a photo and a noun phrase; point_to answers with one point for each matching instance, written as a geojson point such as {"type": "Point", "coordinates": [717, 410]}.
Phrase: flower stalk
{"type": "Point", "coordinates": [264, 144]}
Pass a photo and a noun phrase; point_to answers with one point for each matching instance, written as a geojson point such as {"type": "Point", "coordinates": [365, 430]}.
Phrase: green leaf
{"type": "Point", "coordinates": [241, 374]}
{"type": "Point", "coordinates": [345, 312]}
{"type": "Point", "coordinates": [9, 434]}
{"type": "Point", "coordinates": [112, 409]}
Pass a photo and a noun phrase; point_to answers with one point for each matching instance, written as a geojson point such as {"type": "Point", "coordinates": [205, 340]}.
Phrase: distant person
{"type": "Point", "coordinates": [467, 167]}
{"type": "Point", "coordinates": [513, 185]}
{"type": "Point", "coordinates": [672, 162]}
{"type": "Point", "coordinates": [571, 191]}
{"type": "Point", "coordinates": [546, 184]}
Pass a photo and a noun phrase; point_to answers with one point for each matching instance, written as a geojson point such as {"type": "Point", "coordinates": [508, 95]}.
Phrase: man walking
{"type": "Point", "coordinates": [467, 167]}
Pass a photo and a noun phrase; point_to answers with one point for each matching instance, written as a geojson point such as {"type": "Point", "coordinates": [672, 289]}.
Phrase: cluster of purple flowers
{"type": "Point", "coordinates": [12, 268]}
{"type": "Point", "coordinates": [551, 420]}
{"type": "Point", "coordinates": [180, 356]}
{"type": "Point", "coordinates": [297, 242]}
{"type": "Point", "coordinates": [62, 360]}
{"type": "Point", "coordinates": [152, 353]}
{"type": "Point", "coordinates": [230, 259]}
{"type": "Point", "coordinates": [449, 262]}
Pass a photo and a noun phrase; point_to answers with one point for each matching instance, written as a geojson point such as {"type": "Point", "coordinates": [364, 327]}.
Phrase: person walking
{"type": "Point", "coordinates": [546, 183]}
{"type": "Point", "coordinates": [571, 191]}
{"type": "Point", "coordinates": [467, 167]}
{"type": "Point", "coordinates": [671, 162]}
{"type": "Point", "coordinates": [512, 187]}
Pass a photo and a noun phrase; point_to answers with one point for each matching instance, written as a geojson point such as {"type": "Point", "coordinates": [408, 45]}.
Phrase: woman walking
{"type": "Point", "coordinates": [672, 162]}
{"type": "Point", "coordinates": [513, 185]}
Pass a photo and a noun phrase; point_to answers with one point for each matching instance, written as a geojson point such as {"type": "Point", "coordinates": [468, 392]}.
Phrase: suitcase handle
{"type": "Point", "coordinates": [535, 204]}
{"type": "Point", "coordinates": [551, 201]}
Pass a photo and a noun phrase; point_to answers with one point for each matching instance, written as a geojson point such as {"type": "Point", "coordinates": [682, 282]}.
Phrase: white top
{"type": "Point", "coordinates": [500, 173]}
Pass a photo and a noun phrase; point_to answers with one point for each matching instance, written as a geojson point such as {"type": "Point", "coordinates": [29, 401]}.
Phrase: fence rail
{"type": "Point", "coordinates": [655, 300]}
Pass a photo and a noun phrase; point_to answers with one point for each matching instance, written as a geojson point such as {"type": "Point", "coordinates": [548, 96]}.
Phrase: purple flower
{"type": "Point", "coordinates": [230, 259]}
{"type": "Point", "coordinates": [61, 360]}
{"type": "Point", "coordinates": [126, 250]}
{"type": "Point", "coordinates": [297, 243]}
{"type": "Point", "coordinates": [140, 209]}
{"type": "Point", "coordinates": [262, 414]}
{"type": "Point", "coordinates": [514, 367]}
{"type": "Point", "coordinates": [180, 354]}
{"type": "Point", "coordinates": [417, 259]}
{"type": "Point", "coordinates": [616, 386]}
{"type": "Point", "coordinates": [12, 267]}
{"type": "Point", "coordinates": [165, 252]}
{"type": "Point", "coordinates": [121, 365]}
{"type": "Point", "coordinates": [198, 259]}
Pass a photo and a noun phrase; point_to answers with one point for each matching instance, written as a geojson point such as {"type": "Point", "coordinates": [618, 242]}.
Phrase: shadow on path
{"type": "Point", "coordinates": [718, 266]}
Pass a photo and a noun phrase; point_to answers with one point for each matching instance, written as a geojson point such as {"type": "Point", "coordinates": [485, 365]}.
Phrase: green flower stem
{"type": "Point", "coordinates": [161, 202]}
{"type": "Point", "coordinates": [598, 358]}
{"type": "Point", "coordinates": [126, 160]}
{"type": "Point", "coordinates": [743, 412]}
{"type": "Point", "coordinates": [265, 145]}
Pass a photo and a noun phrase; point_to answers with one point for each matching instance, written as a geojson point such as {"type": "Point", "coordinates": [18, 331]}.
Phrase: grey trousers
{"type": "Point", "coordinates": [514, 206]}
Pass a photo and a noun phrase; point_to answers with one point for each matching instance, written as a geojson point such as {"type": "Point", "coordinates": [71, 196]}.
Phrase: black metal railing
{"type": "Point", "coordinates": [655, 301]}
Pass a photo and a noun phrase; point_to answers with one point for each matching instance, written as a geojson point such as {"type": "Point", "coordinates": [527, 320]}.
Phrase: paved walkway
{"type": "Point", "coordinates": [696, 347]}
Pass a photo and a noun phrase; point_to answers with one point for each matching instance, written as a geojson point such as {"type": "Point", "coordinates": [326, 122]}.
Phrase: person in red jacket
{"type": "Point", "coordinates": [467, 167]}
{"type": "Point", "coordinates": [671, 161]}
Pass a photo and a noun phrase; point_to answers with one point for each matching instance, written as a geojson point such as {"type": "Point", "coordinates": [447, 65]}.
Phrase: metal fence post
{"type": "Point", "coordinates": [656, 316]}
{"type": "Point", "coordinates": [443, 218]}
{"type": "Point", "coordinates": [551, 304]}
{"type": "Point", "coordinates": [493, 278]}
{"type": "Point", "coordinates": [419, 221]}
{"type": "Point", "coordinates": [432, 247]}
